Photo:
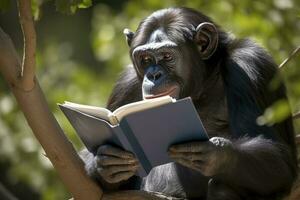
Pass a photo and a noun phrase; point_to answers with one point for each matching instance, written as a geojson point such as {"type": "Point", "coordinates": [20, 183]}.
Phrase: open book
{"type": "Point", "coordinates": [147, 128]}
{"type": "Point", "coordinates": [115, 117]}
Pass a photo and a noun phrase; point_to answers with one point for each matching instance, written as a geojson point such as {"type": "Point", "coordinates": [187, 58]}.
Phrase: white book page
{"type": "Point", "coordinates": [141, 105]}
{"type": "Point", "coordinates": [95, 111]}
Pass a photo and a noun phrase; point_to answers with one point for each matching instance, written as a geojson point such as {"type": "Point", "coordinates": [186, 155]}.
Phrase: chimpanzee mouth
{"type": "Point", "coordinates": [171, 92]}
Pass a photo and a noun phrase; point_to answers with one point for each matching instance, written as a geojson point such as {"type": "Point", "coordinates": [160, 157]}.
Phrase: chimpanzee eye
{"type": "Point", "coordinates": [146, 59]}
{"type": "Point", "coordinates": [167, 56]}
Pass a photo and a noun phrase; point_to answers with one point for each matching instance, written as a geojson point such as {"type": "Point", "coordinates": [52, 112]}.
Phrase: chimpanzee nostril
{"type": "Point", "coordinates": [154, 76]}
{"type": "Point", "coordinates": [157, 75]}
{"type": "Point", "coordinates": [150, 76]}
{"type": "Point", "coordinates": [154, 73]}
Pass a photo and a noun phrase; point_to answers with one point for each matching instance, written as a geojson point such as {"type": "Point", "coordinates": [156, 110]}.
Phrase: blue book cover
{"type": "Point", "coordinates": [147, 133]}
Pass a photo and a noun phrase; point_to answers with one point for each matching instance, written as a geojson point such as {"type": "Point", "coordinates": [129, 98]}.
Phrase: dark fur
{"type": "Point", "coordinates": [229, 94]}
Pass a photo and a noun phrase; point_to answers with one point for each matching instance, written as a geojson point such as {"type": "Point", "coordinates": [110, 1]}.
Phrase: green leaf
{"type": "Point", "coordinates": [35, 8]}
{"type": "Point", "coordinates": [276, 113]}
{"type": "Point", "coordinates": [64, 6]}
{"type": "Point", "coordinates": [70, 6]}
{"type": "Point", "coordinates": [85, 4]}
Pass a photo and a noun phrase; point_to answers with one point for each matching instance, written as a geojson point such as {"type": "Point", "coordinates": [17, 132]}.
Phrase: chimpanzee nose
{"type": "Point", "coordinates": [154, 73]}
{"type": "Point", "coordinates": [154, 76]}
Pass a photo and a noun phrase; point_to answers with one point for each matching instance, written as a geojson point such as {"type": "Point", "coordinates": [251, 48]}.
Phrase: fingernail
{"type": "Point", "coordinates": [172, 149]}
{"type": "Point", "coordinates": [129, 156]}
{"type": "Point", "coordinates": [126, 157]}
{"type": "Point", "coordinates": [132, 161]}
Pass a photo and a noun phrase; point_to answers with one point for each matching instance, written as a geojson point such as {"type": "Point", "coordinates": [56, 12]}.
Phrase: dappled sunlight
{"type": "Point", "coordinates": [80, 56]}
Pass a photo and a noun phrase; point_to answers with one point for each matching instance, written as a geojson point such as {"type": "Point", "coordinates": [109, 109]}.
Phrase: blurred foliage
{"type": "Point", "coordinates": [80, 56]}
{"type": "Point", "coordinates": [70, 6]}
{"type": "Point", "coordinates": [4, 5]}
{"type": "Point", "coordinates": [63, 6]}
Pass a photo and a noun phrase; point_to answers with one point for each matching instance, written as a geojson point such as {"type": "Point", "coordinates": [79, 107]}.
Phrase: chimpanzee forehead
{"type": "Point", "coordinates": [154, 46]}
{"type": "Point", "coordinates": [158, 36]}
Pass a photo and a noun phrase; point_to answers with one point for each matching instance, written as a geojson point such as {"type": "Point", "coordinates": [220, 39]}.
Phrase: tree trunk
{"type": "Point", "coordinates": [32, 102]}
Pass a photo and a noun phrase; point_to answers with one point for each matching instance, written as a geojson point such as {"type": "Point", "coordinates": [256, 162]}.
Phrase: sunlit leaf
{"type": "Point", "coordinates": [35, 8]}
{"type": "Point", "coordinates": [85, 4]}
{"type": "Point", "coordinates": [70, 6]}
{"type": "Point", "coordinates": [278, 112]}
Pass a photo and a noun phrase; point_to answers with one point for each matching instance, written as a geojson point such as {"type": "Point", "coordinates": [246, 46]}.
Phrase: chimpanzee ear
{"type": "Point", "coordinates": [206, 38]}
{"type": "Point", "coordinates": [129, 35]}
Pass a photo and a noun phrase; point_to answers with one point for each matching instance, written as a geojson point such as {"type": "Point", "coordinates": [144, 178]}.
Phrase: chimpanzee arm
{"type": "Point", "coordinates": [91, 169]}
{"type": "Point", "coordinates": [261, 166]}
{"type": "Point", "coordinates": [257, 165]}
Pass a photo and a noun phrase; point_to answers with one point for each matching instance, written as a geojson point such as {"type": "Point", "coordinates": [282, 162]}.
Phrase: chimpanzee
{"type": "Point", "coordinates": [181, 52]}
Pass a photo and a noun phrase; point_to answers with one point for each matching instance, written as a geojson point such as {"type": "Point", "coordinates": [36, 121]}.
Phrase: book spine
{"type": "Point", "coordinates": [137, 148]}
{"type": "Point", "coordinates": [123, 140]}
{"type": "Point", "coordinates": [113, 119]}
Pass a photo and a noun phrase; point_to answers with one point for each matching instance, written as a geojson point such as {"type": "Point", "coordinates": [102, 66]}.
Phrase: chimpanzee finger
{"type": "Point", "coordinates": [122, 176]}
{"type": "Point", "coordinates": [112, 160]}
{"type": "Point", "coordinates": [186, 163]}
{"type": "Point", "coordinates": [113, 169]}
{"type": "Point", "coordinates": [114, 151]}
{"type": "Point", "coordinates": [186, 155]}
{"type": "Point", "coordinates": [191, 147]}
{"type": "Point", "coordinates": [205, 168]}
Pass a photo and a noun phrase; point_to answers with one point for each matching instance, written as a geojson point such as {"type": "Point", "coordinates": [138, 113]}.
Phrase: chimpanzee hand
{"type": "Point", "coordinates": [210, 157]}
{"type": "Point", "coordinates": [114, 164]}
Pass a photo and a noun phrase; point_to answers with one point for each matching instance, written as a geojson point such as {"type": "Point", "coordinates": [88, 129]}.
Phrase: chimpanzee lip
{"type": "Point", "coordinates": [168, 92]}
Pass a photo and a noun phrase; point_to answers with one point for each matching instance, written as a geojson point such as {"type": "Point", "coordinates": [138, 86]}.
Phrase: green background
{"type": "Point", "coordinates": [79, 57]}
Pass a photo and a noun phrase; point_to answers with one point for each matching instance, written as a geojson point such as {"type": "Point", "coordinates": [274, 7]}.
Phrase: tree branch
{"type": "Point", "coordinates": [291, 56]}
{"type": "Point", "coordinates": [296, 115]}
{"type": "Point", "coordinates": [37, 113]}
{"type": "Point", "coordinates": [294, 53]}
{"type": "Point", "coordinates": [46, 129]}
{"type": "Point", "coordinates": [28, 63]}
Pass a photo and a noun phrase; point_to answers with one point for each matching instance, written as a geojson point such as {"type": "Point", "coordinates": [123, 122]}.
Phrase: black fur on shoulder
{"type": "Point", "coordinates": [127, 89]}
{"type": "Point", "coordinates": [247, 74]}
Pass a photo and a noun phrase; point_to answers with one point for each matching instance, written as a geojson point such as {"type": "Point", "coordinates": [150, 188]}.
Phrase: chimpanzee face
{"type": "Point", "coordinates": [159, 62]}
{"type": "Point", "coordinates": [164, 63]}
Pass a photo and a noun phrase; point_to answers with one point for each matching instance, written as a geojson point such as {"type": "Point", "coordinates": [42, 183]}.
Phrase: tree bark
{"type": "Point", "coordinates": [292, 55]}
{"type": "Point", "coordinates": [27, 25]}
{"type": "Point", "coordinates": [32, 102]}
